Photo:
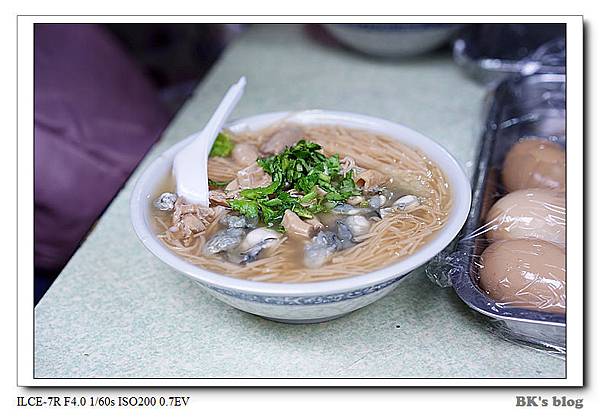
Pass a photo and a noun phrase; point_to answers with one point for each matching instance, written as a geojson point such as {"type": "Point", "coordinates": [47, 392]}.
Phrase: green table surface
{"type": "Point", "coordinates": [116, 311]}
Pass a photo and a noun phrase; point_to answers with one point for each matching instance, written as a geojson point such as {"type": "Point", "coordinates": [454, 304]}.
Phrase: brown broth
{"type": "Point", "coordinates": [378, 254]}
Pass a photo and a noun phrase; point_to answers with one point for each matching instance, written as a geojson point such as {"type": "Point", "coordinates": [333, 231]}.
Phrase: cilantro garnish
{"type": "Point", "coordinates": [301, 168]}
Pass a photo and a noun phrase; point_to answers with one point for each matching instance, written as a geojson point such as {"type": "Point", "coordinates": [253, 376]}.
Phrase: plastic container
{"type": "Point", "coordinates": [491, 52]}
{"type": "Point", "coordinates": [518, 108]}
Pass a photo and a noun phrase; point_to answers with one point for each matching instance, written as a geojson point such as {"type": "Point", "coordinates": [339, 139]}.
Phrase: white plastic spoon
{"type": "Point", "coordinates": [190, 166]}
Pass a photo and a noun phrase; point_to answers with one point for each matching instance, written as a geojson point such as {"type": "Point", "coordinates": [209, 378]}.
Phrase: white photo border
{"type": "Point", "coordinates": [25, 201]}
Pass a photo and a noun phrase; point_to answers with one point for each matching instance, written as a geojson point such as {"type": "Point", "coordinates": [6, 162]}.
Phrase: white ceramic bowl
{"type": "Point", "coordinates": [306, 302]}
{"type": "Point", "coordinates": [393, 39]}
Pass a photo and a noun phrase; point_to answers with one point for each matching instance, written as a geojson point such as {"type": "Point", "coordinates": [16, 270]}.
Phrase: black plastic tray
{"type": "Point", "coordinates": [522, 106]}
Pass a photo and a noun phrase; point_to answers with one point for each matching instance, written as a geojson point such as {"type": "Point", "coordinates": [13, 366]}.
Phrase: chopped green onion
{"type": "Point", "coordinates": [213, 183]}
{"type": "Point", "coordinates": [222, 146]}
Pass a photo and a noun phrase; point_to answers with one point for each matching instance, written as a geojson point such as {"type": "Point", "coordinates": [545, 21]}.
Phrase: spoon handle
{"type": "Point", "coordinates": [192, 183]}
{"type": "Point", "coordinates": [219, 117]}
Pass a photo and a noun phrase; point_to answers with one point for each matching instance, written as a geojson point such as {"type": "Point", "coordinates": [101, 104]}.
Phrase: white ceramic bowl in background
{"type": "Point", "coordinates": [306, 302]}
{"type": "Point", "coordinates": [393, 39]}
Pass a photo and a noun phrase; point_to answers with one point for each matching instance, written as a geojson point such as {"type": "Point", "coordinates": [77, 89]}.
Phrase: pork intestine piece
{"type": "Point", "coordinates": [253, 176]}
{"type": "Point", "coordinates": [189, 219]}
{"type": "Point", "coordinates": [283, 138]}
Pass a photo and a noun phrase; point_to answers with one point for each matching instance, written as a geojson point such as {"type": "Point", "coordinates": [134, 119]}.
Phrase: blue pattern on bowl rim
{"type": "Point", "coordinates": [304, 300]}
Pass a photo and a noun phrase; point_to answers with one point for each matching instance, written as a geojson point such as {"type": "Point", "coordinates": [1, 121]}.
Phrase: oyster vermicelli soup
{"type": "Point", "coordinates": [304, 203]}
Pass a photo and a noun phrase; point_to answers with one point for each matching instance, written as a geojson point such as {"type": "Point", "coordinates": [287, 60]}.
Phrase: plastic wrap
{"type": "Point", "coordinates": [491, 52]}
{"type": "Point", "coordinates": [509, 260]}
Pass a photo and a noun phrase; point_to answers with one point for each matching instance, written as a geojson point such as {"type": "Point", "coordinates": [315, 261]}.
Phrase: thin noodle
{"type": "Point", "coordinates": [393, 237]}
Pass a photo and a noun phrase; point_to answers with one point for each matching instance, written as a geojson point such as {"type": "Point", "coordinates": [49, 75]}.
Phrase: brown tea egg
{"type": "Point", "coordinates": [525, 273]}
{"type": "Point", "coordinates": [534, 213]}
{"type": "Point", "coordinates": [534, 163]}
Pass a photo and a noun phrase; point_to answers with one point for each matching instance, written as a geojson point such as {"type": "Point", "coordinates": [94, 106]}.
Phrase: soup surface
{"type": "Point", "coordinates": [293, 203]}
